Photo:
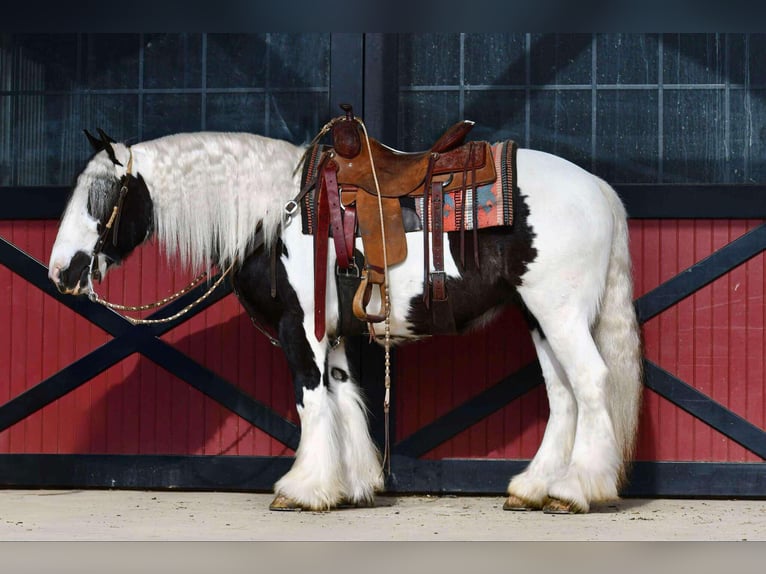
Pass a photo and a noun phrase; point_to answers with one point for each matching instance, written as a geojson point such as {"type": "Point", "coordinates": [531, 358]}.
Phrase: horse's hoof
{"type": "Point", "coordinates": [558, 506]}
{"type": "Point", "coordinates": [284, 503]}
{"type": "Point", "coordinates": [519, 504]}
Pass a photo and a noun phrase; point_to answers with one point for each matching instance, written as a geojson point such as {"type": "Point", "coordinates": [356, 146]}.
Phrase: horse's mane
{"type": "Point", "coordinates": [211, 189]}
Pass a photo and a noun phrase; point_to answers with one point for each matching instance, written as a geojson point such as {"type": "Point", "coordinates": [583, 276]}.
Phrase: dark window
{"type": "Point", "coordinates": [141, 86]}
{"type": "Point", "coordinates": [633, 108]}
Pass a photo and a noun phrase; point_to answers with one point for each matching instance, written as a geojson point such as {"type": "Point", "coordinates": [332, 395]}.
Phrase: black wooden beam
{"type": "Point", "coordinates": [66, 380]}
{"type": "Point", "coordinates": [33, 202]}
{"type": "Point", "coordinates": [693, 201]}
{"type": "Point", "coordinates": [143, 471]}
{"type": "Point", "coordinates": [705, 409]}
{"type": "Point", "coordinates": [221, 391]}
{"type": "Point", "coordinates": [381, 85]}
{"type": "Point", "coordinates": [642, 201]}
{"type": "Point", "coordinates": [701, 273]}
{"type": "Point", "coordinates": [346, 61]}
{"type": "Point", "coordinates": [34, 272]}
{"type": "Point", "coordinates": [481, 476]}
{"type": "Point", "coordinates": [452, 476]}
{"type": "Point", "coordinates": [129, 339]}
{"type": "Point", "coordinates": [470, 412]}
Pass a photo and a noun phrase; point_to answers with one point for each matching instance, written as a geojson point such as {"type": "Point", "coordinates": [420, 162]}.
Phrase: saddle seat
{"type": "Point", "coordinates": [403, 173]}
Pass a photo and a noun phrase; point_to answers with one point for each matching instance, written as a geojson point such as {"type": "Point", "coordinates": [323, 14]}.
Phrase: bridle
{"type": "Point", "coordinates": [113, 223]}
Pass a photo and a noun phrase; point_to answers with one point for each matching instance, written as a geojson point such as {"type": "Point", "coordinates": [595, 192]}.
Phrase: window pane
{"type": "Point", "coordinates": [560, 123]}
{"type": "Point", "coordinates": [694, 59]}
{"type": "Point", "coordinates": [561, 59]}
{"type": "Point", "coordinates": [633, 108]}
{"type": "Point", "coordinates": [236, 60]}
{"type": "Point", "coordinates": [423, 117]}
{"type": "Point", "coordinates": [171, 113]}
{"type": "Point", "coordinates": [497, 59]}
{"type": "Point", "coordinates": [296, 117]}
{"type": "Point", "coordinates": [236, 113]}
{"type": "Point", "coordinates": [499, 115]}
{"type": "Point", "coordinates": [299, 60]}
{"type": "Point", "coordinates": [173, 60]}
{"type": "Point", "coordinates": [429, 59]}
{"type": "Point", "coordinates": [627, 138]}
{"type": "Point", "coordinates": [111, 61]}
{"type": "Point", "coordinates": [694, 136]}
{"type": "Point", "coordinates": [627, 58]}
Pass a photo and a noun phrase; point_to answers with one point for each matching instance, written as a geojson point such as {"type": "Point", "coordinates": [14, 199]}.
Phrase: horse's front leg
{"type": "Point", "coordinates": [362, 469]}
{"type": "Point", "coordinates": [316, 479]}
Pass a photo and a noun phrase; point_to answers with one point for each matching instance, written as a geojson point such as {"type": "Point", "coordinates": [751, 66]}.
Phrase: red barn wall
{"type": "Point", "coordinates": [713, 340]}
{"type": "Point", "coordinates": [135, 407]}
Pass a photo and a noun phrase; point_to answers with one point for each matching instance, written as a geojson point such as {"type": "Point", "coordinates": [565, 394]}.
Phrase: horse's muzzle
{"type": "Point", "coordinates": [73, 279]}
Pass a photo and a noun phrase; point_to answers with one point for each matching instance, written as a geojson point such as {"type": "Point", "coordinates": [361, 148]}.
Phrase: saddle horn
{"type": "Point", "coordinates": [348, 108]}
{"type": "Point", "coordinates": [346, 137]}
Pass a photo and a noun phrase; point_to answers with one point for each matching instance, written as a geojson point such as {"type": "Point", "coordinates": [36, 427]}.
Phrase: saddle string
{"type": "Point", "coordinates": [387, 307]}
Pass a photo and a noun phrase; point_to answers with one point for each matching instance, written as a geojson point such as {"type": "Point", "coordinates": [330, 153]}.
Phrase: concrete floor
{"type": "Point", "coordinates": [102, 515]}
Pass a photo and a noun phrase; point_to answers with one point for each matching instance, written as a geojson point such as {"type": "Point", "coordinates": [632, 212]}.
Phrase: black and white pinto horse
{"type": "Point", "coordinates": [565, 261]}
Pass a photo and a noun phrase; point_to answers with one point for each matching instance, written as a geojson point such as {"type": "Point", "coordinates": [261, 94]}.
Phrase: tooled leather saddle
{"type": "Point", "coordinates": [360, 185]}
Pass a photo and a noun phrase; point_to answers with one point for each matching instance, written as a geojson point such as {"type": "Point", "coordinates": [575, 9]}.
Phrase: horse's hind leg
{"type": "Point", "coordinates": [361, 465]}
{"type": "Point", "coordinates": [529, 489]}
{"type": "Point", "coordinates": [593, 470]}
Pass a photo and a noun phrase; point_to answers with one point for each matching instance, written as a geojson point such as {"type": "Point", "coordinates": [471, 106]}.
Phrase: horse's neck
{"type": "Point", "coordinates": [211, 190]}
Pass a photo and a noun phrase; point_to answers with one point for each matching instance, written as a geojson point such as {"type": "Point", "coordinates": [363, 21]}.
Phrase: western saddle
{"type": "Point", "coordinates": [361, 183]}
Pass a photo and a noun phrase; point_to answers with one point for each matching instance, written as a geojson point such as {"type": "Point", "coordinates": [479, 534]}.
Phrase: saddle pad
{"type": "Point", "coordinates": [495, 201]}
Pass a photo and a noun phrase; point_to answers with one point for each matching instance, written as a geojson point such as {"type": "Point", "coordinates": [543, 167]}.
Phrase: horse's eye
{"type": "Point", "coordinates": [339, 374]}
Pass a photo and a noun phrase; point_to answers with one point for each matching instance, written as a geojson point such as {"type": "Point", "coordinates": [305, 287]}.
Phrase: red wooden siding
{"type": "Point", "coordinates": [714, 340]}
{"type": "Point", "coordinates": [135, 407]}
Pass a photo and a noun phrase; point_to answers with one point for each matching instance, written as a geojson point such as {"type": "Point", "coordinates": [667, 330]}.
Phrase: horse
{"type": "Point", "coordinates": [218, 199]}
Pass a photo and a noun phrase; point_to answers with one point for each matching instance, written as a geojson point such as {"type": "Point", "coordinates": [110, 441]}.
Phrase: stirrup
{"type": "Point", "coordinates": [362, 298]}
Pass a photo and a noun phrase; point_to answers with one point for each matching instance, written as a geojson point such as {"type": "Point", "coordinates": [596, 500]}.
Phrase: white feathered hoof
{"type": "Point", "coordinates": [284, 503]}
{"type": "Point", "coordinates": [559, 506]}
{"type": "Point", "coordinates": [518, 504]}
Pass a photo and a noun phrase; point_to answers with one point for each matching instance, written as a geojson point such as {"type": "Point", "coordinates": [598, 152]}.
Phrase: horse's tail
{"type": "Point", "coordinates": [617, 336]}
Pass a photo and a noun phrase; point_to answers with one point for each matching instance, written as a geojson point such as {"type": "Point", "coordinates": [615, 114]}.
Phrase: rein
{"type": "Point", "coordinates": [93, 296]}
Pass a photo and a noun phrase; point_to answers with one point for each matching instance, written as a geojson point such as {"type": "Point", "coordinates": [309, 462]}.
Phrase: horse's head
{"type": "Point", "coordinates": [109, 213]}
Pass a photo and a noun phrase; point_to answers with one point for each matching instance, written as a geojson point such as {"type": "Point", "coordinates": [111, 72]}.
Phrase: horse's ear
{"type": "Point", "coordinates": [105, 138]}
{"type": "Point", "coordinates": [104, 143]}
{"type": "Point", "coordinates": [96, 143]}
